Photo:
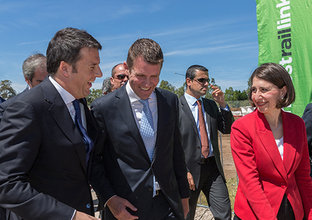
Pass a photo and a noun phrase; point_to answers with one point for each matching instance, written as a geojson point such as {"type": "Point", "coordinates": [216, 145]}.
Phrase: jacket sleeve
{"type": "Point", "coordinates": [225, 121]}
{"type": "Point", "coordinates": [99, 181]}
{"type": "Point", "coordinates": [179, 160]}
{"type": "Point", "coordinates": [19, 146]}
{"type": "Point", "coordinates": [303, 178]}
{"type": "Point", "coordinates": [307, 118]}
{"type": "Point", "coordinates": [246, 167]}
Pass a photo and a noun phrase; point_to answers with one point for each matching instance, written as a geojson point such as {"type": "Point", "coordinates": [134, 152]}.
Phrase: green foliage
{"type": "Point", "coordinates": [233, 95]}
{"type": "Point", "coordinates": [94, 94]}
{"type": "Point", "coordinates": [166, 85]}
{"type": "Point", "coordinates": [6, 90]}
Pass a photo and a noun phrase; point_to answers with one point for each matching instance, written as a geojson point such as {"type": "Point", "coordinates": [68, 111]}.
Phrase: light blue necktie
{"type": "Point", "coordinates": [86, 139]}
{"type": "Point", "coordinates": [147, 128]}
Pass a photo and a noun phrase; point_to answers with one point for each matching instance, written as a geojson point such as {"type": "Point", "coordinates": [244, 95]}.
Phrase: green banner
{"type": "Point", "coordinates": [285, 37]}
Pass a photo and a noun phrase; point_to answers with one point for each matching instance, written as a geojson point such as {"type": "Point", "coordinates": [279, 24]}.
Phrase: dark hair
{"type": "Point", "coordinates": [66, 45]}
{"type": "Point", "coordinates": [32, 63]}
{"type": "Point", "coordinates": [277, 75]}
{"type": "Point", "coordinates": [191, 71]}
{"type": "Point", "coordinates": [113, 69]}
{"type": "Point", "coordinates": [148, 49]}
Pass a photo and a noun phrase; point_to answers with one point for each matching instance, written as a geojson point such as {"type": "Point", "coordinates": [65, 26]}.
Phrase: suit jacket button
{"type": "Point", "coordinates": [88, 205]}
{"type": "Point", "coordinates": [150, 189]}
{"type": "Point", "coordinates": [198, 147]}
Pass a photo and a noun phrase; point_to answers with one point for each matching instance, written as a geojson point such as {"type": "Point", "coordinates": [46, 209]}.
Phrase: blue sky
{"type": "Point", "coordinates": [221, 35]}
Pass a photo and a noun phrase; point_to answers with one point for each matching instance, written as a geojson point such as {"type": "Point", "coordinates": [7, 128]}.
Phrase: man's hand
{"type": "Point", "coordinates": [83, 216]}
{"type": "Point", "coordinates": [118, 205]}
{"type": "Point", "coordinates": [185, 205]}
{"type": "Point", "coordinates": [191, 181]}
{"type": "Point", "coordinates": [218, 96]}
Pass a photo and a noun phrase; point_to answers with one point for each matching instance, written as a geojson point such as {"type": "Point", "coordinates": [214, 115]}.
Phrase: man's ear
{"type": "Point", "coordinates": [65, 69]}
{"type": "Point", "coordinates": [126, 66]}
{"type": "Point", "coordinates": [28, 82]}
{"type": "Point", "coordinates": [188, 81]}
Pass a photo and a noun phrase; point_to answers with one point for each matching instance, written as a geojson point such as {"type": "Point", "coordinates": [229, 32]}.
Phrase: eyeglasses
{"type": "Point", "coordinates": [121, 76]}
{"type": "Point", "coordinates": [202, 80]}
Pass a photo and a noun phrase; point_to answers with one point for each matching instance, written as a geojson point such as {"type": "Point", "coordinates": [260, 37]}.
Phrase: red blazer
{"type": "Point", "coordinates": [264, 177]}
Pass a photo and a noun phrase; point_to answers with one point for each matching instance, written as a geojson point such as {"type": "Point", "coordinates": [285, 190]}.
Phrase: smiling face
{"type": "Point", "coordinates": [265, 95]}
{"type": "Point", "coordinates": [81, 75]}
{"type": "Point", "coordinates": [198, 86]}
{"type": "Point", "coordinates": [144, 77]}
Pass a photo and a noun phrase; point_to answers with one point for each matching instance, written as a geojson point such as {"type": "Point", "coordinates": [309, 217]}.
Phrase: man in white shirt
{"type": "Point", "coordinates": [200, 120]}
{"type": "Point", "coordinates": [139, 170]}
{"type": "Point", "coordinates": [47, 136]}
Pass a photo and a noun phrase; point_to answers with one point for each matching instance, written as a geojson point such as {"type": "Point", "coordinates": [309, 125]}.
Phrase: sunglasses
{"type": "Point", "coordinates": [203, 80]}
{"type": "Point", "coordinates": [121, 76]}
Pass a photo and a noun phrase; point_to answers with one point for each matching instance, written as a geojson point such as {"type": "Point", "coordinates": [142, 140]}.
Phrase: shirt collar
{"type": "Point", "coordinates": [191, 100]}
{"type": "Point", "coordinates": [135, 98]}
{"type": "Point", "coordinates": [66, 96]}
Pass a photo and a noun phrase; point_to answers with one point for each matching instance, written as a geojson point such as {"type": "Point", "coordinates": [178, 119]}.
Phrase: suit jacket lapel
{"type": "Point", "coordinates": [63, 119]}
{"type": "Point", "coordinates": [125, 110]}
{"type": "Point", "coordinates": [268, 142]}
{"type": "Point", "coordinates": [289, 150]}
{"type": "Point", "coordinates": [188, 112]}
{"type": "Point", "coordinates": [208, 111]}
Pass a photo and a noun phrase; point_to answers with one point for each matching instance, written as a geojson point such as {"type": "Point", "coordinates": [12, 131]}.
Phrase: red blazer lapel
{"type": "Point", "coordinates": [289, 149]}
{"type": "Point", "coordinates": [266, 137]}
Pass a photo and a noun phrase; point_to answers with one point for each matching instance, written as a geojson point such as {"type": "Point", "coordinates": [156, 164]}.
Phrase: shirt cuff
{"type": "Point", "coordinates": [227, 108]}
{"type": "Point", "coordinates": [108, 200]}
{"type": "Point", "coordinates": [73, 214]}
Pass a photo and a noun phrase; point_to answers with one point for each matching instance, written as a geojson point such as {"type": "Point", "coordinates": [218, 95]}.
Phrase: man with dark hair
{"type": "Point", "coordinates": [139, 171]}
{"type": "Point", "coordinates": [119, 76]}
{"type": "Point", "coordinates": [200, 120]}
{"type": "Point", "coordinates": [34, 71]}
{"type": "Point", "coordinates": [48, 133]}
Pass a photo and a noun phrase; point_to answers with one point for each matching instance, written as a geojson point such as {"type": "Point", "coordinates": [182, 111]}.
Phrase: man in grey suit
{"type": "Point", "coordinates": [47, 135]}
{"type": "Point", "coordinates": [34, 71]}
{"type": "Point", "coordinates": [139, 171]}
{"type": "Point", "coordinates": [200, 120]}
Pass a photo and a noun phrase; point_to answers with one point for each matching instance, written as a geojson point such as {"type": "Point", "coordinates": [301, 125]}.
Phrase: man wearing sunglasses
{"type": "Point", "coordinates": [119, 76]}
{"type": "Point", "coordinates": [200, 120]}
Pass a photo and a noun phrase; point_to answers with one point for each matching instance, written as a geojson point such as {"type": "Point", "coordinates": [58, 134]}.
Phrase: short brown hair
{"type": "Point", "coordinates": [148, 49]}
{"type": "Point", "coordinates": [276, 74]}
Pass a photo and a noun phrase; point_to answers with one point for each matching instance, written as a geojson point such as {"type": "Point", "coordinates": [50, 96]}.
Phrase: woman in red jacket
{"type": "Point", "coordinates": [270, 151]}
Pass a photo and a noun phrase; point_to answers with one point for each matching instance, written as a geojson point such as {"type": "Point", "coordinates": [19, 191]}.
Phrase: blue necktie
{"type": "Point", "coordinates": [147, 129]}
{"type": "Point", "coordinates": [86, 139]}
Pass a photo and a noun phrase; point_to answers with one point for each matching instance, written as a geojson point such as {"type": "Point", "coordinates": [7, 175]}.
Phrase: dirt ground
{"type": "Point", "coordinates": [225, 151]}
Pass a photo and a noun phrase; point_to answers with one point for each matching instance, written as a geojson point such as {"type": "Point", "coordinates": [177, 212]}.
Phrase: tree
{"type": "Point", "coordinates": [94, 94]}
{"type": "Point", "coordinates": [166, 85]}
{"type": "Point", "coordinates": [6, 90]}
{"type": "Point", "coordinates": [180, 91]}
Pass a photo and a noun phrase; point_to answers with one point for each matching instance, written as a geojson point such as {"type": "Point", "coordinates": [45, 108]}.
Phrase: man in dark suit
{"type": "Point", "coordinates": [47, 134]}
{"type": "Point", "coordinates": [139, 171]}
{"type": "Point", "coordinates": [34, 71]}
{"type": "Point", "coordinates": [200, 120]}
{"type": "Point", "coordinates": [307, 117]}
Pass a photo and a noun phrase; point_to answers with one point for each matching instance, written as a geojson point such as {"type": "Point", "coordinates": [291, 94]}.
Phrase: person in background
{"type": "Point", "coordinates": [270, 152]}
{"type": "Point", "coordinates": [120, 76]}
{"type": "Point", "coordinates": [307, 118]}
{"type": "Point", "coordinates": [47, 136]}
{"type": "Point", "coordinates": [34, 71]}
{"type": "Point", "coordinates": [200, 120]}
{"type": "Point", "coordinates": [106, 86]}
{"type": "Point", "coordinates": [139, 171]}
